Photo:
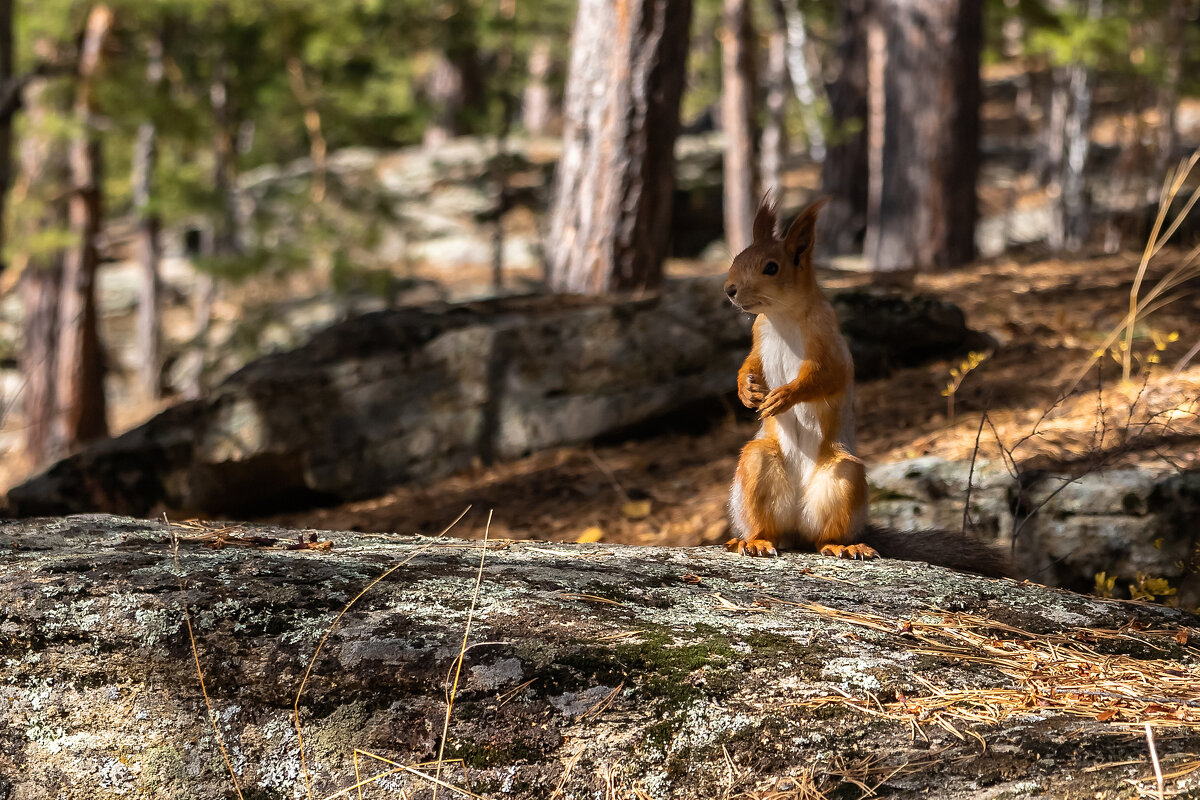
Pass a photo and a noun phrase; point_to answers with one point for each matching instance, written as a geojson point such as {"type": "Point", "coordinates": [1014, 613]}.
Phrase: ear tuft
{"type": "Point", "coordinates": [764, 219]}
{"type": "Point", "coordinates": [801, 233]}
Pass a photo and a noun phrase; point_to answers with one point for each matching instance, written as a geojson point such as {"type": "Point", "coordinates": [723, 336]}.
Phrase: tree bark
{"type": "Point", "coordinates": [845, 173]}
{"type": "Point", "coordinates": [454, 85]}
{"type": "Point", "coordinates": [805, 87]}
{"type": "Point", "coordinates": [586, 670]}
{"type": "Point", "coordinates": [145, 163]}
{"type": "Point", "coordinates": [1067, 142]}
{"type": "Point", "coordinates": [6, 126]}
{"type": "Point", "coordinates": [537, 102]}
{"type": "Point", "coordinates": [40, 205]}
{"type": "Point", "coordinates": [738, 110]}
{"type": "Point", "coordinates": [222, 241]}
{"type": "Point", "coordinates": [773, 144]}
{"type": "Point", "coordinates": [79, 384]}
{"type": "Point", "coordinates": [1174, 43]}
{"type": "Point", "coordinates": [610, 219]}
{"type": "Point", "coordinates": [930, 154]}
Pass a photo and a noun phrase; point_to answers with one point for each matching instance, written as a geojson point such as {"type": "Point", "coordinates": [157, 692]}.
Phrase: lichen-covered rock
{"type": "Point", "coordinates": [407, 394]}
{"type": "Point", "coordinates": [1132, 524]}
{"type": "Point", "coordinates": [590, 671]}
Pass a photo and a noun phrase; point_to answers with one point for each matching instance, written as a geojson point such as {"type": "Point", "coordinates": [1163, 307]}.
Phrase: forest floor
{"type": "Point", "coordinates": [666, 483]}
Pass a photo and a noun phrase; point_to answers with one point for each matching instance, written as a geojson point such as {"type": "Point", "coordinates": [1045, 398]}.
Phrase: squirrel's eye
{"type": "Point", "coordinates": [771, 268]}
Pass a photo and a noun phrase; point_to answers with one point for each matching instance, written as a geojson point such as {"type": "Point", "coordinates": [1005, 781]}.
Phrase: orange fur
{"type": "Point", "coordinates": [814, 499]}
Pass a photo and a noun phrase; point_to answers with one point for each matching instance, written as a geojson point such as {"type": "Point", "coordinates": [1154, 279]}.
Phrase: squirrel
{"type": "Point", "coordinates": [798, 482]}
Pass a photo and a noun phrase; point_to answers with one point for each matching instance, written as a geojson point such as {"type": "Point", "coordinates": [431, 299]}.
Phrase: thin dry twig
{"type": "Point", "coordinates": [312, 662]}
{"type": "Point", "coordinates": [461, 655]}
{"type": "Point", "coordinates": [1158, 776]}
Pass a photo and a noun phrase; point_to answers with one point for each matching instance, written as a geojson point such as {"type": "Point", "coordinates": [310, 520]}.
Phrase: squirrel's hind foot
{"type": "Point", "coordinates": [863, 551]}
{"type": "Point", "coordinates": [754, 547]}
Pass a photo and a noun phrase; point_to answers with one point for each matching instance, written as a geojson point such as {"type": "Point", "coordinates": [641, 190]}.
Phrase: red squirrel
{"type": "Point", "coordinates": [798, 482]}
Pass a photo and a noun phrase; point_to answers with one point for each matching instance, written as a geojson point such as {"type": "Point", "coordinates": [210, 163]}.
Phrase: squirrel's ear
{"type": "Point", "coordinates": [764, 220]}
{"type": "Point", "coordinates": [800, 234]}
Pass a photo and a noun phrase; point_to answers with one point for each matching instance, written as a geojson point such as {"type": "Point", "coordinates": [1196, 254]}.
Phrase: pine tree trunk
{"type": "Point", "coordinates": [6, 131]}
{"type": "Point", "coordinates": [737, 122]}
{"type": "Point", "coordinates": [222, 241]}
{"type": "Point", "coordinates": [930, 155]}
{"type": "Point", "coordinates": [805, 87]}
{"type": "Point", "coordinates": [40, 205]}
{"type": "Point", "coordinates": [845, 172]}
{"type": "Point", "coordinates": [537, 104]}
{"type": "Point", "coordinates": [609, 224]}
{"type": "Point", "coordinates": [454, 84]}
{"type": "Point", "coordinates": [80, 380]}
{"type": "Point", "coordinates": [1073, 214]}
{"type": "Point", "coordinates": [1174, 41]}
{"type": "Point", "coordinates": [1067, 140]}
{"type": "Point", "coordinates": [773, 143]}
{"type": "Point", "coordinates": [145, 162]}
{"type": "Point", "coordinates": [40, 288]}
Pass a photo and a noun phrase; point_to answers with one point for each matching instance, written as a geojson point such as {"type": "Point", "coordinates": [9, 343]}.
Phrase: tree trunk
{"type": "Point", "coordinates": [453, 86]}
{"type": "Point", "coordinates": [798, 60]}
{"type": "Point", "coordinates": [537, 103]}
{"type": "Point", "coordinates": [1174, 42]}
{"type": "Point", "coordinates": [610, 220]}
{"type": "Point", "coordinates": [6, 122]}
{"type": "Point", "coordinates": [145, 162]}
{"type": "Point", "coordinates": [39, 206]}
{"type": "Point", "coordinates": [930, 155]}
{"type": "Point", "coordinates": [845, 173]}
{"type": "Point", "coordinates": [80, 379]}
{"type": "Point", "coordinates": [1068, 139]}
{"type": "Point", "coordinates": [737, 122]}
{"type": "Point", "coordinates": [223, 239]}
{"type": "Point", "coordinates": [773, 144]}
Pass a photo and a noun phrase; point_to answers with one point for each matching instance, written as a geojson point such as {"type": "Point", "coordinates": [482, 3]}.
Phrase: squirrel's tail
{"type": "Point", "coordinates": [953, 549]}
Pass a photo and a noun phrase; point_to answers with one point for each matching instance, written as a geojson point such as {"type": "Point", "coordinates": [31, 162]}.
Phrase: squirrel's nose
{"type": "Point", "coordinates": [731, 290]}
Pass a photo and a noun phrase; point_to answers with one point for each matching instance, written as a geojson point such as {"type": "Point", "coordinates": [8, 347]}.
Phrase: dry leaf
{"type": "Point", "coordinates": [591, 535]}
{"type": "Point", "coordinates": [636, 509]}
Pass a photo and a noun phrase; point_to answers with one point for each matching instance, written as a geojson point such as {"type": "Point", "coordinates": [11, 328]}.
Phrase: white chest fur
{"type": "Point", "coordinates": [781, 347]}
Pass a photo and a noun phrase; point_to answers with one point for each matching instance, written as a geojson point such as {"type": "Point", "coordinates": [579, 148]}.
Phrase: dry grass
{"type": "Point", "coordinates": [1064, 673]}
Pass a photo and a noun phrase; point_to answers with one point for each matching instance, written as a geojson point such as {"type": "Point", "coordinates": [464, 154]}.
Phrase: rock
{"type": "Point", "coordinates": [1131, 524]}
{"type": "Point", "coordinates": [888, 330]}
{"type": "Point", "coordinates": [414, 394]}
{"type": "Point", "coordinates": [409, 394]}
{"type": "Point", "coordinates": [591, 671]}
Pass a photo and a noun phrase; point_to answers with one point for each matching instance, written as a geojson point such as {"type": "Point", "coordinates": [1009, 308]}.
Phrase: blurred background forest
{"type": "Point", "coordinates": [191, 186]}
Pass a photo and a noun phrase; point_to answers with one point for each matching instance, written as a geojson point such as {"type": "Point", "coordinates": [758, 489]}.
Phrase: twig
{"type": "Point", "coordinates": [1158, 776]}
{"type": "Point", "coordinates": [971, 472]}
{"type": "Point", "coordinates": [437, 774]}
{"type": "Point", "coordinates": [332, 625]}
{"type": "Point", "coordinates": [608, 473]}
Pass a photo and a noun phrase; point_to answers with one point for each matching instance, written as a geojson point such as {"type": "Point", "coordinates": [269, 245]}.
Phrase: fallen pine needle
{"type": "Point", "coordinates": [461, 655]}
{"type": "Point", "coordinates": [320, 644]}
{"type": "Point", "coordinates": [187, 618]}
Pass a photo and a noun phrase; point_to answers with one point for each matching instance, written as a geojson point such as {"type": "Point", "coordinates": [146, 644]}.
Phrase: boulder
{"type": "Point", "coordinates": [586, 671]}
{"type": "Point", "coordinates": [413, 394]}
{"type": "Point", "coordinates": [1137, 525]}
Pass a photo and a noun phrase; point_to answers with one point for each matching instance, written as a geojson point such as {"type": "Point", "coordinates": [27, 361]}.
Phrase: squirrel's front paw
{"type": "Point", "coordinates": [863, 551]}
{"type": "Point", "coordinates": [754, 547]}
{"type": "Point", "coordinates": [751, 392]}
{"type": "Point", "coordinates": [776, 402]}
